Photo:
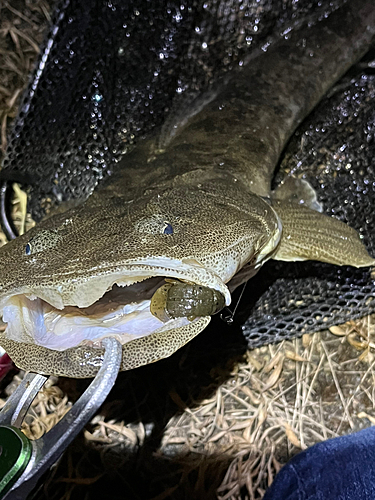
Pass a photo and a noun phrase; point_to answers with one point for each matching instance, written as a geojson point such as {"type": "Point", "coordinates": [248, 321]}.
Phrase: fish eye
{"type": "Point", "coordinates": [168, 229]}
{"type": "Point", "coordinates": [28, 249]}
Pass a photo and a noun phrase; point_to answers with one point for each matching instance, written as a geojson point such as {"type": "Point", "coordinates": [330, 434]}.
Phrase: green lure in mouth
{"type": "Point", "coordinates": [176, 300]}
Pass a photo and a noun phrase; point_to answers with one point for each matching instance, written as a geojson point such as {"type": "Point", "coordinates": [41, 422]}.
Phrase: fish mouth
{"type": "Point", "coordinates": [112, 303]}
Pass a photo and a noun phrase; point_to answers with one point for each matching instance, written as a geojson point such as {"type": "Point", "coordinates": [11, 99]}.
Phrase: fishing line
{"type": "Point", "coordinates": [228, 316]}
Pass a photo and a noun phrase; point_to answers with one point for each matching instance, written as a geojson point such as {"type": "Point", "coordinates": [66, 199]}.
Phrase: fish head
{"type": "Point", "coordinates": [91, 272]}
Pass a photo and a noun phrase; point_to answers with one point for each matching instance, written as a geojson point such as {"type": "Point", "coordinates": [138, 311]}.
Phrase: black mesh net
{"type": "Point", "coordinates": [111, 71]}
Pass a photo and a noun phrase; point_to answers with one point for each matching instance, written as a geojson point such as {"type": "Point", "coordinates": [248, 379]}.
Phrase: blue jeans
{"type": "Point", "coordinates": [338, 469]}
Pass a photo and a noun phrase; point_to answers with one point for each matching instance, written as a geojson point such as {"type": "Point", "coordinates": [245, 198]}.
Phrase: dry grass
{"type": "Point", "coordinates": [275, 402]}
{"type": "Point", "coordinates": [21, 32]}
{"type": "Point", "coordinates": [263, 409]}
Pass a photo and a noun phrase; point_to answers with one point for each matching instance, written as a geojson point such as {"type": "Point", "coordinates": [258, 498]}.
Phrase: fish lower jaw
{"type": "Point", "coordinates": [122, 312]}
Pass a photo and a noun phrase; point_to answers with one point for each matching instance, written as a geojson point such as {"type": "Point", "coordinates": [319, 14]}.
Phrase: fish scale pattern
{"type": "Point", "coordinates": [111, 71]}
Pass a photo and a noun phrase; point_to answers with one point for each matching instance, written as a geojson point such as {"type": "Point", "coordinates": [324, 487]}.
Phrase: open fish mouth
{"type": "Point", "coordinates": [112, 304]}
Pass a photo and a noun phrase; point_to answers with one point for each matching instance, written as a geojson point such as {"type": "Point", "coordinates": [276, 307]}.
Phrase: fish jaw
{"type": "Point", "coordinates": [109, 304]}
{"type": "Point", "coordinates": [67, 341]}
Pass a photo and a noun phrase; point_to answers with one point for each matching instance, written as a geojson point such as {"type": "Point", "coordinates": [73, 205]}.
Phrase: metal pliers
{"type": "Point", "coordinates": [23, 462]}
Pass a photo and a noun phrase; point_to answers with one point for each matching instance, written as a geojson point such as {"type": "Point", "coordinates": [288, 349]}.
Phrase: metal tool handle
{"type": "Point", "coordinates": [19, 402]}
{"type": "Point", "coordinates": [48, 449]}
{"type": "Point", "coordinates": [6, 221]}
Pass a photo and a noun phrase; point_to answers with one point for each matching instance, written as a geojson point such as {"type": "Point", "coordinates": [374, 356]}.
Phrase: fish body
{"type": "Point", "coordinates": [200, 211]}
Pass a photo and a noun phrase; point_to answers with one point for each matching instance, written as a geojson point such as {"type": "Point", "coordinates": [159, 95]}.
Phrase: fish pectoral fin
{"type": "Point", "coordinates": [310, 235]}
{"type": "Point", "coordinates": [297, 191]}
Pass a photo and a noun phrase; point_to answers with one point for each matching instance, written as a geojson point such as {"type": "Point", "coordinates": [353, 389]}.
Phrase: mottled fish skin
{"type": "Point", "coordinates": [211, 178]}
